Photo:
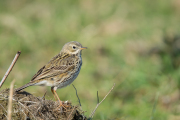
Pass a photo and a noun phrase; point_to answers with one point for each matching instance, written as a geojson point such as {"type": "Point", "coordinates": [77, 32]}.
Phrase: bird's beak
{"type": "Point", "coordinates": [83, 48]}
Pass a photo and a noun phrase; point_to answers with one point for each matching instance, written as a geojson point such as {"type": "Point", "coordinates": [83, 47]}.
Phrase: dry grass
{"type": "Point", "coordinates": [26, 106]}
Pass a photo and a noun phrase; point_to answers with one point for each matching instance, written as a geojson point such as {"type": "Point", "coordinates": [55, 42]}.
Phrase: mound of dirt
{"type": "Point", "coordinates": [27, 107]}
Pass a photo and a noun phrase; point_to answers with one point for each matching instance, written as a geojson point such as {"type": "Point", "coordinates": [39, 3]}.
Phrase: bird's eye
{"type": "Point", "coordinates": [74, 47]}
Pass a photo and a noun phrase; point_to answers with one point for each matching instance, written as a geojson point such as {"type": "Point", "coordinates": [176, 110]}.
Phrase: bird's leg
{"type": "Point", "coordinates": [52, 90]}
{"type": "Point", "coordinates": [58, 98]}
{"type": "Point", "coordinates": [64, 106]}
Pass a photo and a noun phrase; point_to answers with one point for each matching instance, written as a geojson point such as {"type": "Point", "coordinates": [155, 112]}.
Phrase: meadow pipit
{"type": "Point", "coordinates": [61, 70]}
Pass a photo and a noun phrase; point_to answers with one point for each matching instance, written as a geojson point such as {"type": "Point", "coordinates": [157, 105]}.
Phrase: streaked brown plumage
{"type": "Point", "coordinates": [61, 70]}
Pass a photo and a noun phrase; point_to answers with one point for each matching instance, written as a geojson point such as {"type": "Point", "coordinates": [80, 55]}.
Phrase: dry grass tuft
{"type": "Point", "coordinates": [26, 106]}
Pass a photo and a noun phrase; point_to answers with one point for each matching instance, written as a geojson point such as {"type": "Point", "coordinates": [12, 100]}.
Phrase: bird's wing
{"type": "Point", "coordinates": [56, 66]}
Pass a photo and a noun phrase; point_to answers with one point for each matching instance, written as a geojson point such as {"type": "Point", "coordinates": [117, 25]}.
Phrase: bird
{"type": "Point", "coordinates": [60, 71]}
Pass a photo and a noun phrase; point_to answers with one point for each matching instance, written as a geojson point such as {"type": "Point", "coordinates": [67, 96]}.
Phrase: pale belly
{"type": "Point", "coordinates": [67, 82]}
{"type": "Point", "coordinates": [45, 83]}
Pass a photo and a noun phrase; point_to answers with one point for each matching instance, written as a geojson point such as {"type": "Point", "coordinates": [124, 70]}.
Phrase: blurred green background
{"type": "Point", "coordinates": [130, 43]}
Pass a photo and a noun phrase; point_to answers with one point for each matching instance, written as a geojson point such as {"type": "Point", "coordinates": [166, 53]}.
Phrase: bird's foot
{"type": "Point", "coordinates": [64, 106]}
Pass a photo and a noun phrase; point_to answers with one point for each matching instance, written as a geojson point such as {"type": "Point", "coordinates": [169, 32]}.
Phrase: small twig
{"type": "Point", "coordinates": [4, 109]}
{"type": "Point", "coordinates": [77, 95]}
{"type": "Point", "coordinates": [71, 113]}
{"type": "Point", "coordinates": [10, 100]}
{"type": "Point", "coordinates": [97, 98]}
{"type": "Point", "coordinates": [10, 68]}
{"type": "Point", "coordinates": [92, 114]}
{"type": "Point", "coordinates": [154, 107]}
{"type": "Point", "coordinates": [29, 102]}
{"type": "Point", "coordinates": [44, 95]}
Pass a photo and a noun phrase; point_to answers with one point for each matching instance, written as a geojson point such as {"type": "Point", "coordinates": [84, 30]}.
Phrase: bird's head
{"type": "Point", "coordinates": [73, 47]}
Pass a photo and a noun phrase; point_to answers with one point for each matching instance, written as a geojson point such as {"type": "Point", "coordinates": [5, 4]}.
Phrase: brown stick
{"type": "Point", "coordinates": [10, 100]}
{"type": "Point", "coordinates": [92, 114]}
{"type": "Point", "coordinates": [10, 68]}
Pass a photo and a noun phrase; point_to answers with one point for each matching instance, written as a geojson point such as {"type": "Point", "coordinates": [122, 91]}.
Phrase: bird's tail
{"type": "Point", "coordinates": [24, 86]}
